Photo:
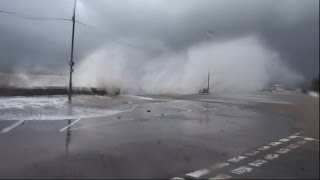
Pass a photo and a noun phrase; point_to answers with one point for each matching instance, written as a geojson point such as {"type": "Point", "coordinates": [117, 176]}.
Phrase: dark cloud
{"type": "Point", "coordinates": [291, 27]}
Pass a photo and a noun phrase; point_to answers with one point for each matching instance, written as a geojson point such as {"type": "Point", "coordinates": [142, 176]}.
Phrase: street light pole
{"type": "Point", "coordinates": [208, 80]}
{"type": "Point", "coordinates": [71, 63]}
{"type": "Point", "coordinates": [210, 35]}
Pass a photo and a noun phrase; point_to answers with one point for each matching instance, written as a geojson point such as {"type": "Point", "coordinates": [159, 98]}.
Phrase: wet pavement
{"type": "Point", "coordinates": [150, 136]}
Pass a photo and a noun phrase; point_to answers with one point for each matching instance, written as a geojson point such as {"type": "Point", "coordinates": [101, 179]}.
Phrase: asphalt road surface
{"type": "Point", "coordinates": [258, 135]}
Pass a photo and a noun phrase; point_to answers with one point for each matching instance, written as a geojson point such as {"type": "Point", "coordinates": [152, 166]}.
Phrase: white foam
{"type": "Point", "coordinates": [198, 173]}
{"type": "Point", "coordinates": [31, 102]}
{"type": "Point", "coordinates": [51, 108]}
{"type": "Point", "coordinates": [313, 94]}
{"type": "Point", "coordinates": [138, 97]}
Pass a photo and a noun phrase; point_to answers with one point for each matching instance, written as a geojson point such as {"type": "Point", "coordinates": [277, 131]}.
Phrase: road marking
{"type": "Point", "coordinates": [263, 148]}
{"type": "Point", "coordinates": [63, 129]}
{"type": "Point", "coordinates": [293, 146]}
{"type": "Point", "coordinates": [292, 137]}
{"type": "Point", "coordinates": [271, 156]}
{"type": "Point", "coordinates": [241, 170]}
{"type": "Point", "coordinates": [237, 159]}
{"type": "Point", "coordinates": [97, 124]}
{"type": "Point", "coordinates": [185, 110]}
{"type": "Point", "coordinates": [258, 163]}
{"type": "Point", "coordinates": [284, 140]}
{"type": "Point", "coordinates": [296, 134]}
{"type": "Point", "coordinates": [92, 125]}
{"type": "Point", "coordinates": [136, 105]}
{"type": "Point", "coordinates": [9, 128]}
{"type": "Point", "coordinates": [198, 173]}
{"type": "Point", "coordinates": [220, 165]}
{"type": "Point", "coordinates": [200, 106]}
{"type": "Point", "coordinates": [221, 176]}
{"type": "Point", "coordinates": [177, 178]}
{"type": "Point", "coordinates": [301, 142]}
{"type": "Point", "coordinates": [283, 151]}
{"type": "Point", "coordinates": [308, 138]}
{"type": "Point", "coordinates": [311, 139]}
{"type": "Point", "coordinates": [161, 115]}
{"type": "Point", "coordinates": [275, 144]}
{"type": "Point", "coordinates": [252, 153]}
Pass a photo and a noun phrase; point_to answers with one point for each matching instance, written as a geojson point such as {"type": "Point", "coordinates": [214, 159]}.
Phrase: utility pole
{"type": "Point", "coordinates": [71, 63]}
{"type": "Point", "coordinates": [210, 35]}
{"type": "Point", "coordinates": [208, 80]}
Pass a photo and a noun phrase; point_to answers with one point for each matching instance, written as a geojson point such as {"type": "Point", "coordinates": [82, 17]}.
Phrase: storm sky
{"type": "Point", "coordinates": [290, 27]}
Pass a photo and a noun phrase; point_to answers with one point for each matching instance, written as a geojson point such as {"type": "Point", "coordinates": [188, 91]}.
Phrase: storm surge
{"type": "Point", "coordinates": [242, 64]}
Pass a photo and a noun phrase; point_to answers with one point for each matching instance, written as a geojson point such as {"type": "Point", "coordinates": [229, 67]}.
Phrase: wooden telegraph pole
{"type": "Point", "coordinates": [71, 63]}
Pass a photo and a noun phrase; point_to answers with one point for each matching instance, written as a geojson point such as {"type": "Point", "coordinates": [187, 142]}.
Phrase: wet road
{"type": "Point", "coordinates": [153, 137]}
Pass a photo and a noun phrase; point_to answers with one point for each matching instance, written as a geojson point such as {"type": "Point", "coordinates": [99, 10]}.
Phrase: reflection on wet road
{"type": "Point", "coordinates": [142, 137]}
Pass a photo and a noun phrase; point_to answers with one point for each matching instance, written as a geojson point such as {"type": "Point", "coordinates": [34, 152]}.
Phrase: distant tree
{"type": "Point", "coordinates": [315, 84]}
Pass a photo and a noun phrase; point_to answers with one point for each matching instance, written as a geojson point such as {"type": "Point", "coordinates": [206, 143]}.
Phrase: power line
{"type": "Point", "coordinates": [18, 15]}
{"type": "Point", "coordinates": [46, 18]}
{"type": "Point", "coordinates": [115, 41]}
{"type": "Point", "coordinates": [7, 12]}
{"type": "Point", "coordinates": [87, 25]}
{"type": "Point", "coordinates": [65, 19]}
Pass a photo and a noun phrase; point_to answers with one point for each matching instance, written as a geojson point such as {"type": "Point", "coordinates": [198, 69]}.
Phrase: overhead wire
{"type": "Point", "coordinates": [115, 41]}
{"type": "Point", "coordinates": [22, 16]}
{"type": "Point", "coordinates": [18, 15]}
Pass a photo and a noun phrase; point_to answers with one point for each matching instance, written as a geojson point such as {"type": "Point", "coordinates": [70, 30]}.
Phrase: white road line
{"type": "Point", "coordinates": [258, 163]}
{"type": "Point", "coordinates": [219, 165]}
{"type": "Point", "coordinates": [9, 128]}
{"type": "Point", "coordinates": [237, 159]}
{"type": "Point", "coordinates": [198, 173]}
{"type": "Point", "coordinates": [168, 114]}
{"type": "Point", "coordinates": [177, 178]}
{"type": "Point", "coordinates": [263, 148]}
{"type": "Point", "coordinates": [184, 108]}
{"type": "Point", "coordinates": [293, 146]}
{"type": "Point", "coordinates": [275, 143]}
{"type": "Point", "coordinates": [63, 129]}
{"type": "Point", "coordinates": [200, 106]}
{"type": "Point", "coordinates": [283, 151]}
{"type": "Point", "coordinates": [98, 124]}
{"type": "Point", "coordinates": [271, 156]}
{"type": "Point", "coordinates": [252, 153]}
{"type": "Point", "coordinates": [292, 137]}
{"type": "Point", "coordinates": [284, 140]}
{"type": "Point", "coordinates": [296, 134]}
{"type": "Point", "coordinates": [311, 139]}
{"type": "Point", "coordinates": [136, 105]}
{"type": "Point", "coordinates": [221, 176]}
{"type": "Point", "coordinates": [301, 142]}
{"type": "Point", "coordinates": [241, 170]}
{"type": "Point", "coordinates": [308, 138]}
{"type": "Point", "coordinates": [180, 112]}
{"type": "Point", "coordinates": [92, 125]}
